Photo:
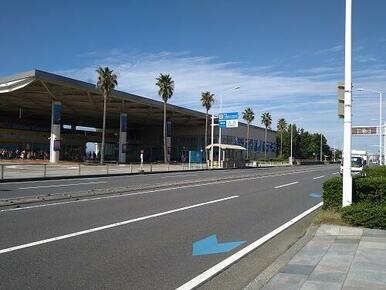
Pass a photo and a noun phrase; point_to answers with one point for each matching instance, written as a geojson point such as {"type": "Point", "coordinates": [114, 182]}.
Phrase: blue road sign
{"type": "Point", "coordinates": [228, 116]}
{"type": "Point", "coordinates": [210, 245]}
{"type": "Point", "coordinates": [228, 120]}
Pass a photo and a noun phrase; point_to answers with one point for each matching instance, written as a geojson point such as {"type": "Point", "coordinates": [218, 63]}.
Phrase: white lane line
{"type": "Point", "coordinates": [288, 184]}
{"type": "Point", "coordinates": [178, 175]}
{"type": "Point", "coordinates": [61, 185]}
{"type": "Point", "coordinates": [335, 173]}
{"type": "Point", "coordinates": [198, 280]}
{"type": "Point", "coordinates": [149, 191]}
{"type": "Point", "coordinates": [97, 229]}
{"type": "Point", "coordinates": [318, 177]}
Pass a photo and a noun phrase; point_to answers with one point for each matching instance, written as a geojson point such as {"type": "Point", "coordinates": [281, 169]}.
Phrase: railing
{"type": "Point", "coordinates": [267, 163]}
{"type": "Point", "coordinates": [19, 171]}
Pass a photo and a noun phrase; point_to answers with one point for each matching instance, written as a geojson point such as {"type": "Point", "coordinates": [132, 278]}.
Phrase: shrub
{"type": "Point", "coordinates": [366, 214]}
{"type": "Point", "coordinates": [375, 171]}
{"type": "Point", "coordinates": [332, 193]}
{"type": "Point", "coordinates": [370, 189]}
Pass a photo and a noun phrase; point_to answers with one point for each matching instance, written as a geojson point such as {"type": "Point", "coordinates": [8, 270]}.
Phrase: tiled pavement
{"type": "Point", "coordinates": [337, 257]}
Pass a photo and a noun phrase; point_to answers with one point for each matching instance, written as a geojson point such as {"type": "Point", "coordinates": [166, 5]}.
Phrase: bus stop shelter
{"type": "Point", "coordinates": [232, 156]}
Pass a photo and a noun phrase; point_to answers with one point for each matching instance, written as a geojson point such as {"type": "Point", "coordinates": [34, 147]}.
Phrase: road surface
{"type": "Point", "coordinates": [145, 240]}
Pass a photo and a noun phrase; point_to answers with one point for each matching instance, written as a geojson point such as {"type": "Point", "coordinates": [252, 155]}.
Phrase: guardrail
{"type": "Point", "coordinates": [23, 171]}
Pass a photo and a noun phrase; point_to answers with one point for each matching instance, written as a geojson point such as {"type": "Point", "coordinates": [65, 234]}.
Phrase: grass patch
{"type": "Point", "coordinates": [330, 217]}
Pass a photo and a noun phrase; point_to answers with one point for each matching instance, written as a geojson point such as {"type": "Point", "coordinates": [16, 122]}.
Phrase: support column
{"type": "Point", "coordinates": [169, 138]}
{"type": "Point", "coordinates": [122, 138]}
{"type": "Point", "coordinates": [56, 112]}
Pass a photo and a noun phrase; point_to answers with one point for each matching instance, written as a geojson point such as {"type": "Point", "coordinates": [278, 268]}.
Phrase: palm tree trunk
{"type": "Point", "coordinates": [248, 140]}
{"type": "Point", "coordinates": [206, 136]}
{"type": "Point", "coordinates": [281, 144]}
{"type": "Point", "coordinates": [165, 145]}
{"type": "Point", "coordinates": [265, 144]}
{"type": "Point", "coordinates": [103, 130]}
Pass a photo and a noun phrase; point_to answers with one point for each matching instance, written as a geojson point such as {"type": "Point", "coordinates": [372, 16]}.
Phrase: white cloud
{"type": "Point", "coordinates": [306, 94]}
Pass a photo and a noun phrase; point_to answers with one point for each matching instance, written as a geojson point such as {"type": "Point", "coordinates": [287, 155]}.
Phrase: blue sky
{"type": "Point", "coordinates": [286, 55]}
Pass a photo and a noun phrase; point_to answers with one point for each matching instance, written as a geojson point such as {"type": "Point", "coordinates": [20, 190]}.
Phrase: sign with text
{"type": "Point", "coordinates": [228, 120]}
{"type": "Point", "coordinates": [364, 131]}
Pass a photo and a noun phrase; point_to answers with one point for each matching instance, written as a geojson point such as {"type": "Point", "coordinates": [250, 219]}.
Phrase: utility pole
{"type": "Point", "coordinates": [321, 147]}
{"type": "Point", "coordinates": [211, 138]}
{"type": "Point", "coordinates": [291, 160]}
{"type": "Point", "coordinates": [347, 178]}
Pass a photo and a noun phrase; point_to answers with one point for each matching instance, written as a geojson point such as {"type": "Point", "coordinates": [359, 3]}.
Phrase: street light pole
{"type": "Point", "coordinates": [321, 148]}
{"type": "Point", "coordinates": [382, 161]}
{"type": "Point", "coordinates": [291, 160]}
{"type": "Point", "coordinates": [219, 128]}
{"type": "Point", "coordinates": [347, 178]}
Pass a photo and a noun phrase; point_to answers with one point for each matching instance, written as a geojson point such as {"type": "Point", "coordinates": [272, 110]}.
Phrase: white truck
{"type": "Point", "coordinates": [359, 161]}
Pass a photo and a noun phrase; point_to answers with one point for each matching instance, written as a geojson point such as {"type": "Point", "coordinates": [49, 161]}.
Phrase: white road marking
{"type": "Point", "coordinates": [318, 177]}
{"type": "Point", "coordinates": [288, 184]}
{"type": "Point", "coordinates": [109, 226]}
{"type": "Point", "coordinates": [61, 185]}
{"type": "Point", "coordinates": [198, 280]}
{"type": "Point", "coordinates": [178, 175]}
{"type": "Point", "coordinates": [150, 191]}
{"type": "Point", "coordinates": [335, 173]}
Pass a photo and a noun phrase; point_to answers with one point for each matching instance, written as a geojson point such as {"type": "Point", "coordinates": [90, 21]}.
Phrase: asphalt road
{"type": "Point", "coordinates": [144, 241]}
{"type": "Point", "coordinates": [43, 187]}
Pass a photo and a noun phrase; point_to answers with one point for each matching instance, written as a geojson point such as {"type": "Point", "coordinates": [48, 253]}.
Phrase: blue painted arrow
{"type": "Point", "coordinates": [315, 194]}
{"type": "Point", "coordinates": [210, 245]}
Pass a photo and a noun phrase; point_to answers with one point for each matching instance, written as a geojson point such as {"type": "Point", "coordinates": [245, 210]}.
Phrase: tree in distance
{"type": "Point", "coordinates": [266, 120]}
{"type": "Point", "coordinates": [107, 81]}
{"type": "Point", "coordinates": [165, 91]}
{"type": "Point", "coordinates": [248, 116]}
{"type": "Point", "coordinates": [207, 99]}
{"type": "Point", "coordinates": [281, 127]}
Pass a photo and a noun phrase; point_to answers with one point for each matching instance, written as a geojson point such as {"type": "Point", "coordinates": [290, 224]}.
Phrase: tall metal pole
{"type": "Point", "coordinates": [321, 148]}
{"type": "Point", "coordinates": [211, 142]}
{"type": "Point", "coordinates": [219, 135]}
{"type": "Point", "coordinates": [384, 141]}
{"type": "Point", "coordinates": [381, 160]}
{"type": "Point", "coordinates": [291, 161]}
{"type": "Point", "coordinates": [347, 178]}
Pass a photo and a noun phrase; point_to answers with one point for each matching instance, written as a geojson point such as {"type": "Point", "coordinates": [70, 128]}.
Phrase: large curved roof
{"type": "Point", "coordinates": [33, 91]}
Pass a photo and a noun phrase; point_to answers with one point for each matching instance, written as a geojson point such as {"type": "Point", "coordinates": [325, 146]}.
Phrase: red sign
{"type": "Point", "coordinates": [364, 130]}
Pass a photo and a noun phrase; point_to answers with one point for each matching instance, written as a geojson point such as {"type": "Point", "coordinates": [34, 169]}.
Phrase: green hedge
{"type": "Point", "coordinates": [332, 193]}
{"type": "Point", "coordinates": [365, 214]}
{"type": "Point", "coordinates": [371, 189]}
{"type": "Point", "coordinates": [375, 171]}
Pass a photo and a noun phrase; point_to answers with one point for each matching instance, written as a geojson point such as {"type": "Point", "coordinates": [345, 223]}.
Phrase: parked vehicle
{"type": "Point", "coordinates": [359, 161]}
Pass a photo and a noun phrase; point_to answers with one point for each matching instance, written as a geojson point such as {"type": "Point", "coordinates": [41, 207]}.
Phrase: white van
{"type": "Point", "coordinates": [359, 159]}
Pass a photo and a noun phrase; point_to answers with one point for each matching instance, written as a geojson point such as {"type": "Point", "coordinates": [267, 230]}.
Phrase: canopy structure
{"type": "Point", "coordinates": [33, 92]}
{"type": "Point", "coordinates": [226, 147]}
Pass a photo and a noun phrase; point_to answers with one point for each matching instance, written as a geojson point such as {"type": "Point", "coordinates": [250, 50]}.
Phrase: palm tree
{"type": "Point", "coordinates": [107, 81]}
{"type": "Point", "coordinates": [207, 99]}
{"type": "Point", "coordinates": [281, 127]}
{"type": "Point", "coordinates": [165, 91]}
{"type": "Point", "coordinates": [266, 120]}
{"type": "Point", "coordinates": [249, 116]}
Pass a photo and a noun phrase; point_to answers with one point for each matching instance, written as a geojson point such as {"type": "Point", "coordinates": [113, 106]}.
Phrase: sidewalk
{"type": "Point", "coordinates": [337, 257]}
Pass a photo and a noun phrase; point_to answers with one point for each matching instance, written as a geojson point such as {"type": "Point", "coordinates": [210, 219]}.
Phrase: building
{"type": "Point", "coordinates": [45, 114]}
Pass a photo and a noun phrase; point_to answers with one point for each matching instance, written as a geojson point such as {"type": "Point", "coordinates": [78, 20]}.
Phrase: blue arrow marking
{"type": "Point", "coordinates": [210, 245]}
{"type": "Point", "coordinates": [315, 194]}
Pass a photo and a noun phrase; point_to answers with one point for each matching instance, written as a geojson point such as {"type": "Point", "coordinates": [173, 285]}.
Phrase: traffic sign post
{"type": "Point", "coordinates": [226, 120]}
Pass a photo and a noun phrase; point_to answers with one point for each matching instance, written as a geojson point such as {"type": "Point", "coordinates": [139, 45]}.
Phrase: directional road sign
{"type": "Point", "coordinates": [228, 120]}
